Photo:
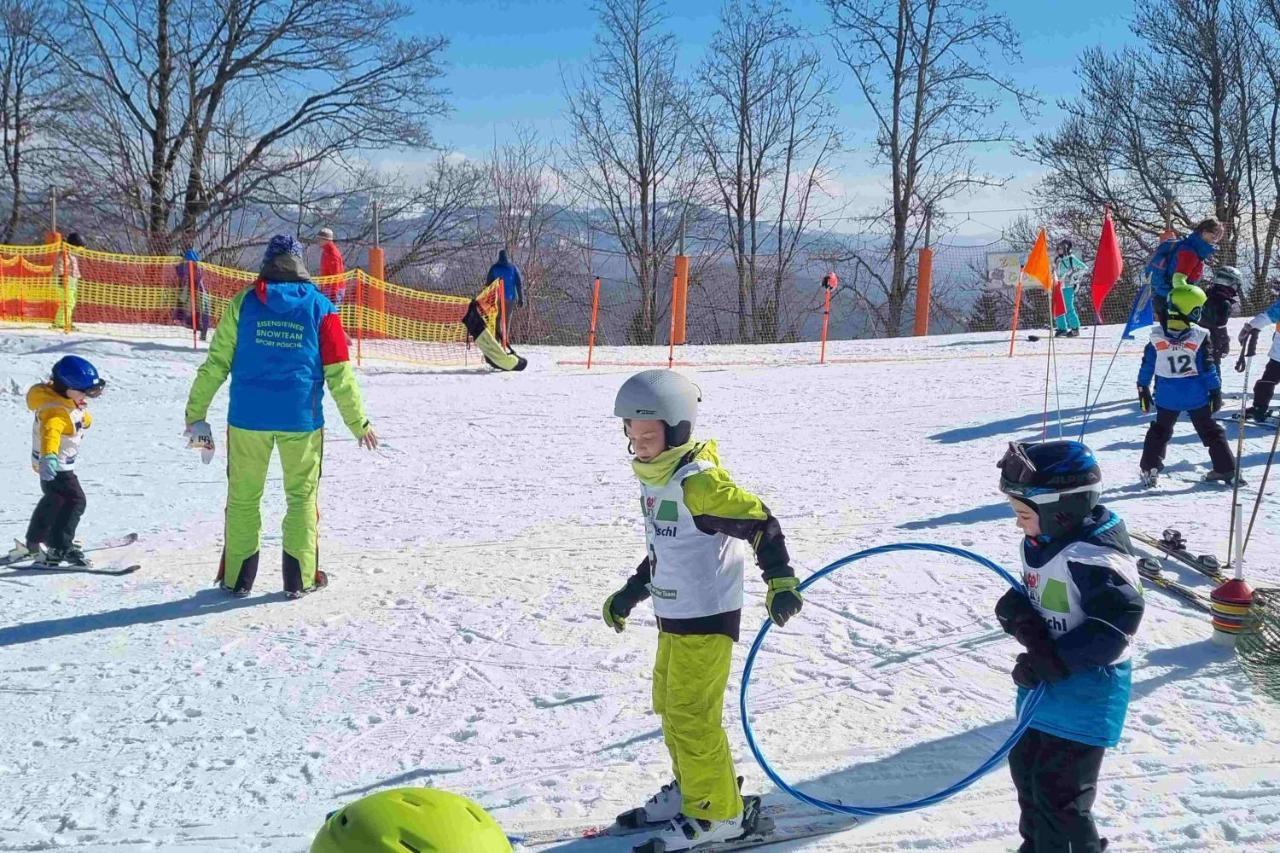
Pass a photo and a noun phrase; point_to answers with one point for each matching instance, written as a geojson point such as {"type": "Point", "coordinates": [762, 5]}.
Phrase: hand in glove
{"type": "Point", "coordinates": [49, 466]}
{"type": "Point", "coordinates": [1034, 668]}
{"type": "Point", "coordinates": [200, 437]}
{"type": "Point", "coordinates": [1215, 400]}
{"type": "Point", "coordinates": [1245, 332]}
{"type": "Point", "coordinates": [616, 611]}
{"type": "Point", "coordinates": [1020, 619]}
{"type": "Point", "coordinates": [1144, 398]}
{"type": "Point", "coordinates": [783, 600]}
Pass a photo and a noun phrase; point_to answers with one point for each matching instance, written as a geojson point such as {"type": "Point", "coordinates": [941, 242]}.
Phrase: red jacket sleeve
{"type": "Point", "coordinates": [1189, 264]}
{"type": "Point", "coordinates": [333, 341]}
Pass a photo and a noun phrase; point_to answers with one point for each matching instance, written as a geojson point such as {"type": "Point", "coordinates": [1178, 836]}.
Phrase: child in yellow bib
{"type": "Point", "coordinates": [699, 530]}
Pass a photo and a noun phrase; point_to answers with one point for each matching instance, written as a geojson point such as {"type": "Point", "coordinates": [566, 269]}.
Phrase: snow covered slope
{"type": "Point", "coordinates": [461, 646]}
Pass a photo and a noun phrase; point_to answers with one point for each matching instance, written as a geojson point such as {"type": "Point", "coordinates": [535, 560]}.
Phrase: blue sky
{"type": "Point", "coordinates": [506, 60]}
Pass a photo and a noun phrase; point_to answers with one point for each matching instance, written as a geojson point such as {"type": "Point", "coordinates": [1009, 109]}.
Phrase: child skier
{"type": "Point", "coordinates": [1187, 380]}
{"type": "Point", "coordinates": [1082, 607]}
{"type": "Point", "coordinates": [1068, 268]}
{"type": "Point", "coordinates": [60, 421]}
{"type": "Point", "coordinates": [1221, 295]}
{"type": "Point", "coordinates": [695, 517]}
{"type": "Point", "coordinates": [1265, 388]}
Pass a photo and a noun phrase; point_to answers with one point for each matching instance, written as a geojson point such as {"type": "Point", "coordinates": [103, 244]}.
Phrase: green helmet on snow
{"type": "Point", "coordinates": [405, 820]}
{"type": "Point", "coordinates": [1186, 302]}
{"type": "Point", "coordinates": [661, 395]}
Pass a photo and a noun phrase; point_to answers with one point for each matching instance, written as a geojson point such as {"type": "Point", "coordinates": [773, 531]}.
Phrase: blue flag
{"type": "Point", "coordinates": [1140, 313]}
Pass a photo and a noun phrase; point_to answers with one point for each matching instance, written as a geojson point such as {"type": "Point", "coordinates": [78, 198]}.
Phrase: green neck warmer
{"type": "Point", "coordinates": [657, 471]}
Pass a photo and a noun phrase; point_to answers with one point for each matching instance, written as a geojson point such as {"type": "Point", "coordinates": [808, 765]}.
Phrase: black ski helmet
{"type": "Point", "coordinates": [1060, 480]}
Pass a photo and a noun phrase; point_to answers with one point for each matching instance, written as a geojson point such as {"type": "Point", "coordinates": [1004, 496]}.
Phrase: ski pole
{"type": "Point", "coordinates": [1243, 362]}
{"type": "Point", "coordinates": [1262, 488]}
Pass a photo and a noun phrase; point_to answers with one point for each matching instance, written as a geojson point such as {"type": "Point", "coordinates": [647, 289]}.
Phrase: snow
{"type": "Point", "coordinates": [461, 646]}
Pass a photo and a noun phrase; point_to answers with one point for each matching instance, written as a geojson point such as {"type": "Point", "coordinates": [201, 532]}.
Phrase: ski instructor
{"type": "Point", "coordinates": [280, 340]}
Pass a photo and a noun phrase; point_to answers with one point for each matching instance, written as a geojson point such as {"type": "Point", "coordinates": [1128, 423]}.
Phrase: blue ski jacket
{"type": "Point", "coordinates": [1183, 371]}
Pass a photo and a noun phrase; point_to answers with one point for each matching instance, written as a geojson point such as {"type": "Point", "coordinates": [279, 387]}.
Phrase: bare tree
{"type": "Point", "coordinates": [1176, 125]}
{"type": "Point", "coordinates": [632, 154]}
{"type": "Point", "coordinates": [31, 102]}
{"type": "Point", "coordinates": [197, 109]}
{"type": "Point", "coordinates": [763, 121]}
{"type": "Point", "coordinates": [927, 71]}
{"type": "Point", "coordinates": [434, 217]}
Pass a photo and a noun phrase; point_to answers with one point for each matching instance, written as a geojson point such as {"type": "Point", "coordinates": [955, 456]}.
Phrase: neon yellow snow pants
{"type": "Point", "coordinates": [689, 680]}
{"type": "Point", "coordinates": [248, 455]}
{"type": "Point", "coordinates": [66, 305]}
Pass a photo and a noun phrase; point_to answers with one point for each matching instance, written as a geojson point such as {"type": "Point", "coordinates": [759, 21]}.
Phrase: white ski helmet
{"type": "Point", "coordinates": [660, 395]}
{"type": "Point", "coordinates": [1229, 276]}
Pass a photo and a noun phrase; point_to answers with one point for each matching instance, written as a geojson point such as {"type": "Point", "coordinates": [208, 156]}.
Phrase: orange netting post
{"type": "Point", "coordinates": [4, 296]}
{"type": "Point", "coordinates": [595, 312]}
{"type": "Point", "coordinates": [359, 318]}
{"type": "Point", "coordinates": [680, 300]}
{"type": "Point", "coordinates": [924, 289]}
{"type": "Point", "coordinates": [502, 310]}
{"type": "Point", "coordinates": [377, 295]}
{"type": "Point", "coordinates": [191, 296]}
{"type": "Point", "coordinates": [671, 335]}
{"type": "Point", "coordinates": [829, 283]}
{"type": "Point", "coordinates": [1017, 308]}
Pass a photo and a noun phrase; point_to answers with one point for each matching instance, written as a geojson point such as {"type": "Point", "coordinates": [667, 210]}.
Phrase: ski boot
{"type": "Point", "coordinates": [686, 833]}
{"type": "Point", "coordinates": [55, 557]}
{"type": "Point", "coordinates": [1149, 477]}
{"type": "Point", "coordinates": [1074, 333]}
{"type": "Point", "coordinates": [660, 808]}
{"type": "Point", "coordinates": [322, 581]}
{"type": "Point", "coordinates": [1225, 477]}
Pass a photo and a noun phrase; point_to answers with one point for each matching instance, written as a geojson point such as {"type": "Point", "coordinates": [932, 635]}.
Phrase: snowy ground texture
{"type": "Point", "coordinates": [460, 644]}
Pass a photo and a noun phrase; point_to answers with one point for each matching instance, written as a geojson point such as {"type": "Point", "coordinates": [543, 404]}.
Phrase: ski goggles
{"type": "Point", "coordinates": [1017, 471]}
{"type": "Point", "coordinates": [94, 390]}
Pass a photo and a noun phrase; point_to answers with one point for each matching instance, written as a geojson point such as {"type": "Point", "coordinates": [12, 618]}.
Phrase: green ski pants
{"type": "Point", "coordinates": [689, 680]}
{"type": "Point", "coordinates": [248, 455]}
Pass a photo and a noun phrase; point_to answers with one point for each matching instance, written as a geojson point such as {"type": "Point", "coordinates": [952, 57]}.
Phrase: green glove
{"type": "Point", "coordinates": [614, 619]}
{"type": "Point", "coordinates": [783, 600]}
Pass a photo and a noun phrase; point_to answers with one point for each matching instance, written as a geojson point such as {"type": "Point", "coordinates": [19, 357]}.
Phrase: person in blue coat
{"type": "Point", "coordinates": [1081, 608]}
{"type": "Point", "coordinates": [512, 291]}
{"type": "Point", "coordinates": [1180, 358]}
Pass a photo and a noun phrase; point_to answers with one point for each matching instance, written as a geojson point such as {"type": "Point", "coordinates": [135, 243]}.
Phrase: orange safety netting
{"type": "Point", "coordinates": [71, 288]}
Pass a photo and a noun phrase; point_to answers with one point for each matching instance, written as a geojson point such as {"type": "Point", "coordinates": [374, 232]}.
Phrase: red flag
{"type": "Point", "coordinates": [1107, 265]}
{"type": "Point", "coordinates": [1059, 301]}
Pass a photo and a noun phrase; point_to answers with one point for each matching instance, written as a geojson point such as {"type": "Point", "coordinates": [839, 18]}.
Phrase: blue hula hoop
{"type": "Point", "coordinates": [1024, 717]}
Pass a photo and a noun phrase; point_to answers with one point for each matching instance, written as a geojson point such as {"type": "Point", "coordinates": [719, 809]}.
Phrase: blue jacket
{"type": "Point", "coordinates": [1188, 257]}
{"type": "Point", "coordinates": [1182, 368]}
{"type": "Point", "coordinates": [1090, 705]}
{"type": "Point", "coordinates": [513, 288]}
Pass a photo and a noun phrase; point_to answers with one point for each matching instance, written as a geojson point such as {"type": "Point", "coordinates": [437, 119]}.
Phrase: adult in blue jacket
{"type": "Point", "coordinates": [512, 291]}
{"type": "Point", "coordinates": [1180, 358]}
{"type": "Point", "coordinates": [1077, 618]}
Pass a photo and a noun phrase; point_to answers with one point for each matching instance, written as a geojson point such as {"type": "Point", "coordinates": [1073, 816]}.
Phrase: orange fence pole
{"type": "Point", "coordinates": [377, 296]}
{"type": "Point", "coordinates": [4, 301]}
{"type": "Point", "coordinates": [359, 318]}
{"type": "Point", "coordinates": [1017, 308]}
{"type": "Point", "coordinates": [671, 335]}
{"type": "Point", "coordinates": [595, 312]}
{"type": "Point", "coordinates": [680, 300]}
{"type": "Point", "coordinates": [829, 283]}
{"type": "Point", "coordinates": [502, 311]}
{"type": "Point", "coordinates": [195, 318]}
{"type": "Point", "coordinates": [924, 288]}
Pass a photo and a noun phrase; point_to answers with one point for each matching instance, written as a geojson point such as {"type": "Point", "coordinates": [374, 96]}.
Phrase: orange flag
{"type": "Point", "coordinates": [1037, 265]}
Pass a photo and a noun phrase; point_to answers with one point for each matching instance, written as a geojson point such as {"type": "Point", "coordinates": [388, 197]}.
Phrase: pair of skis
{"type": "Point", "coordinates": [763, 824]}
{"type": "Point", "coordinates": [21, 564]}
{"type": "Point", "coordinates": [1173, 545]}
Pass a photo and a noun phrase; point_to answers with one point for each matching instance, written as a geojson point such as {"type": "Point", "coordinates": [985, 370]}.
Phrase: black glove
{"type": "Point", "coordinates": [783, 599]}
{"type": "Point", "coordinates": [1245, 332]}
{"type": "Point", "coordinates": [1034, 668]}
{"type": "Point", "coordinates": [1144, 398]}
{"type": "Point", "coordinates": [1215, 400]}
{"type": "Point", "coordinates": [1020, 619]}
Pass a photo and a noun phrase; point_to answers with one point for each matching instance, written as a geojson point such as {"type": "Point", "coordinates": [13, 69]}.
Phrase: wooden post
{"type": "Point", "coordinates": [680, 300]}
{"type": "Point", "coordinates": [829, 284]}
{"type": "Point", "coordinates": [595, 312]}
{"type": "Point", "coordinates": [1017, 309]}
{"type": "Point", "coordinates": [195, 313]}
{"type": "Point", "coordinates": [924, 287]}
